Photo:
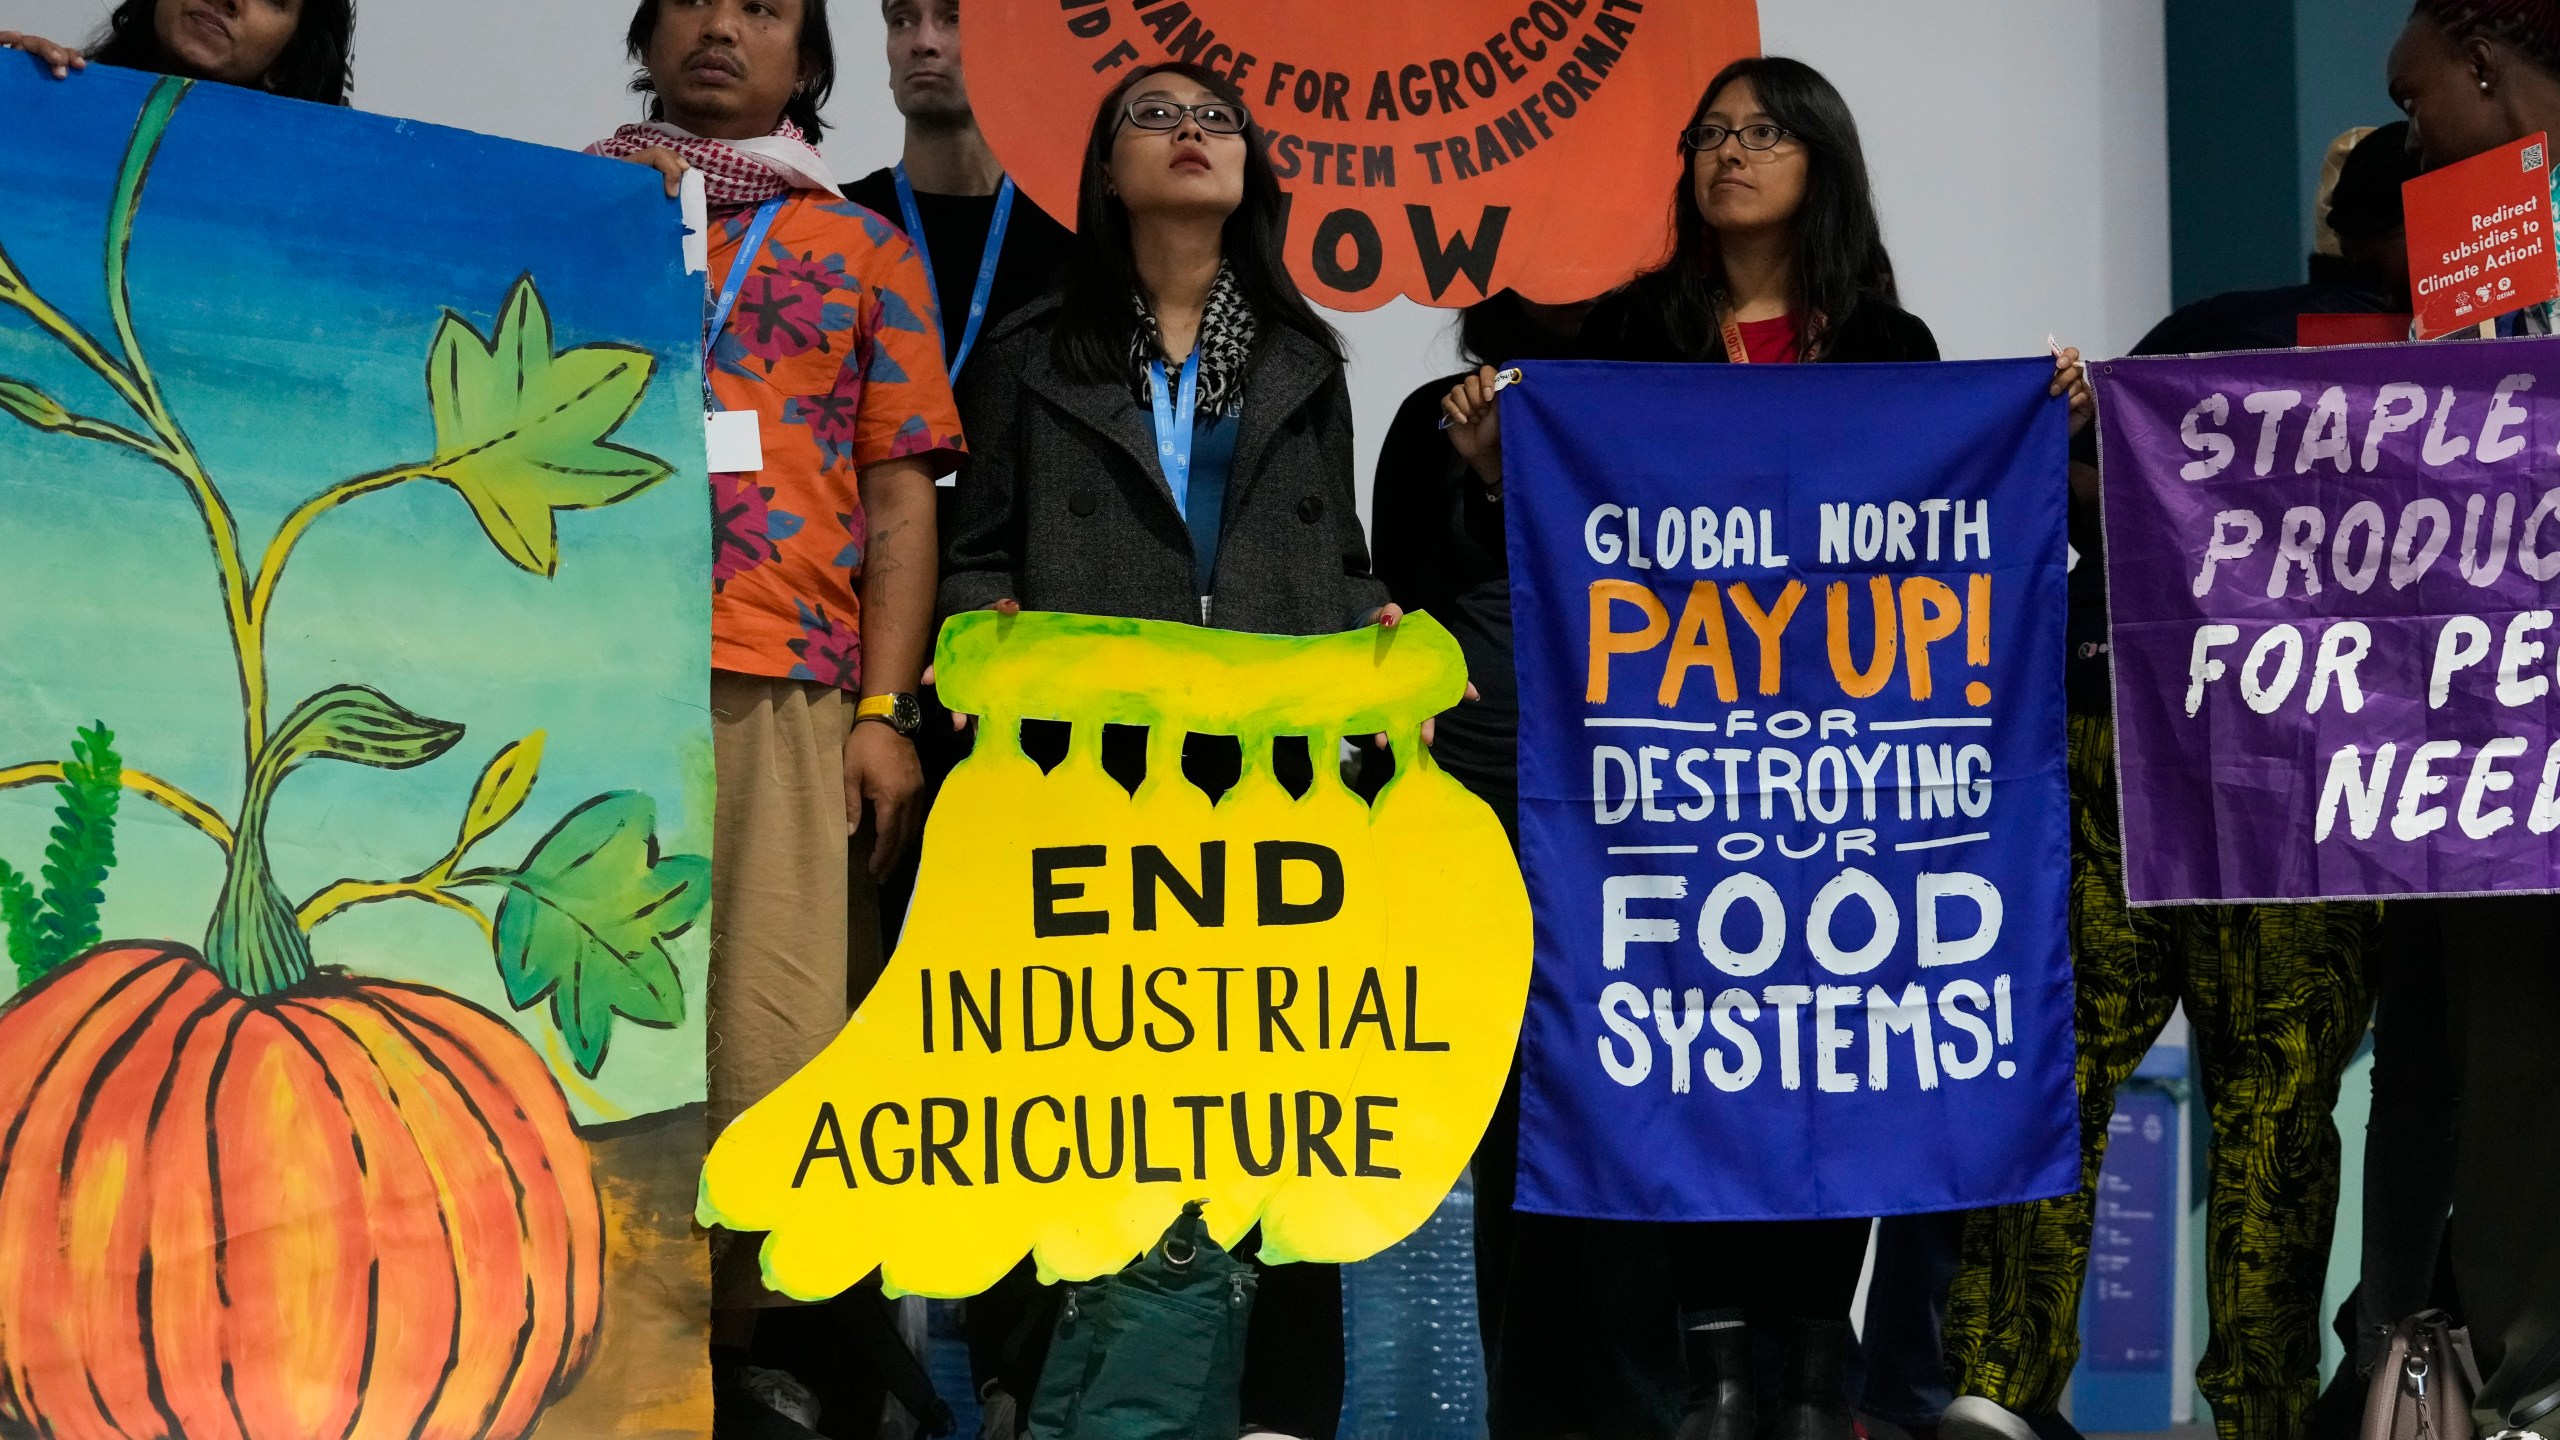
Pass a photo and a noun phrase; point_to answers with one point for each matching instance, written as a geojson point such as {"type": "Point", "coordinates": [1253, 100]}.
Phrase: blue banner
{"type": "Point", "coordinates": [1793, 794]}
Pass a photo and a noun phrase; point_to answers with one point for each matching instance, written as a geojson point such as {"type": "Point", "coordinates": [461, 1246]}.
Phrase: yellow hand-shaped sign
{"type": "Point", "coordinates": [1300, 1009]}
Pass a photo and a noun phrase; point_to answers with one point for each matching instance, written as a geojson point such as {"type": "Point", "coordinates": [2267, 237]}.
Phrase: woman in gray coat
{"type": "Point", "coordinates": [1169, 436]}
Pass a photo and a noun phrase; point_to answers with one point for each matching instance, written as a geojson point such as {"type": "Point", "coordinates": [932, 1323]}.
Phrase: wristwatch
{"type": "Point", "coordinates": [902, 713]}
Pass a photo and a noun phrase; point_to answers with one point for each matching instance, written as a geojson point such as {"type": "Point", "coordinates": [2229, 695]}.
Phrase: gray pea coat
{"type": "Point", "coordinates": [1062, 505]}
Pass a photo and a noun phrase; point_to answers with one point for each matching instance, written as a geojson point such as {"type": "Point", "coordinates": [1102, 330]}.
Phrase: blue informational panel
{"type": "Point", "coordinates": [2129, 1370]}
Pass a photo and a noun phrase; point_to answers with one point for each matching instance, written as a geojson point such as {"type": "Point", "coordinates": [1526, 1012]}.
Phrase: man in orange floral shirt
{"type": "Point", "coordinates": [822, 331]}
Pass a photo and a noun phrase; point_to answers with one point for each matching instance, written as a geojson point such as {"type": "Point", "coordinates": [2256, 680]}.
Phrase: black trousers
{"type": "Point", "coordinates": [2412, 1136]}
{"type": "Point", "coordinates": [2503, 957]}
{"type": "Point", "coordinates": [1770, 1270]}
{"type": "Point", "coordinates": [1293, 1362]}
{"type": "Point", "coordinates": [1579, 1317]}
{"type": "Point", "coordinates": [1903, 1339]}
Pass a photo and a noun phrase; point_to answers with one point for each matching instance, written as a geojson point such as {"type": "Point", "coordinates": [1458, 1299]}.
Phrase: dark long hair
{"type": "Point", "coordinates": [1840, 255]}
{"type": "Point", "coordinates": [317, 63]}
{"type": "Point", "coordinates": [1500, 329]}
{"type": "Point", "coordinates": [817, 61]}
{"type": "Point", "coordinates": [2530, 27]}
{"type": "Point", "coordinates": [1091, 341]}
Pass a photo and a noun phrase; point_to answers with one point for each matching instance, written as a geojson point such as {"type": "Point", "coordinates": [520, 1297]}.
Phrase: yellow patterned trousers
{"type": "Point", "coordinates": [2276, 999]}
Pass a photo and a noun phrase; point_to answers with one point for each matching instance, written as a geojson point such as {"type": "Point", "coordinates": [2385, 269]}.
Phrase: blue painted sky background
{"type": "Point", "coordinates": [289, 268]}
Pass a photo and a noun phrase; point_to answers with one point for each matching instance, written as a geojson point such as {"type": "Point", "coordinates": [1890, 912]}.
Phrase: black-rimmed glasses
{"type": "Point", "coordinates": [1703, 138]}
{"type": "Point", "coordinates": [1216, 117]}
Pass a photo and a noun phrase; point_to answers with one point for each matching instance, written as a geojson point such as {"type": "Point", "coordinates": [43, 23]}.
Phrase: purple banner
{"type": "Point", "coordinates": [2331, 577]}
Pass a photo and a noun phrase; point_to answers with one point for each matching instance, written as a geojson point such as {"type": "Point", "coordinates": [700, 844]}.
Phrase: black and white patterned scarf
{"type": "Point", "coordinates": [1226, 342]}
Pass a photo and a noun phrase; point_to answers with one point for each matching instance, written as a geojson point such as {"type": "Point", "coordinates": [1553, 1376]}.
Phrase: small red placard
{"type": "Point", "coordinates": [2480, 238]}
{"type": "Point", "coordinates": [2317, 332]}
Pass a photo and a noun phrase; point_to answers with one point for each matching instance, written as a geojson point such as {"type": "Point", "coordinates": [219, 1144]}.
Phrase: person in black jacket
{"type": "Point", "coordinates": [2274, 997]}
{"type": "Point", "coordinates": [1777, 257]}
{"type": "Point", "coordinates": [1574, 1314]}
{"type": "Point", "coordinates": [1168, 437]}
{"type": "Point", "coordinates": [2473, 75]}
{"type": "Point", "coordinates": [2368, 274]}
{"type": "Point", "coordinates": [2416, 1086]}
{"type": "Point", "coordinates": [1436, 535]}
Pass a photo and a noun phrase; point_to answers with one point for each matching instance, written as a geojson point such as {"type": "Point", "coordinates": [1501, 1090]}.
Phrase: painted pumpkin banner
{"type": "Point", "coordinates": [1441, 151]}
{"type": "Point", "coordinates": [1109, 1001]}
{"type": "Point", "coordinates": [354, 778]}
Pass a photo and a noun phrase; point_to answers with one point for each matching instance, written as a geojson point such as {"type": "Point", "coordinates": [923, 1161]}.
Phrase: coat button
{"type": "Point", "coordinates": [1311, 509]}
{"type": "Point", "coordinates": [1081, 503]}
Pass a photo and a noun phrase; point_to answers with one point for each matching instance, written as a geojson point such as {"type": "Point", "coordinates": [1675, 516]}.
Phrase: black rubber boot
{"type": "Point", "coordinates": [1720, 1400]}
{"type": "Point", "coordinates": [1813, 1402]}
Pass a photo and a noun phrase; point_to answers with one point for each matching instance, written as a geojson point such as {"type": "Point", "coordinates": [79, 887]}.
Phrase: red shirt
{"type": "Point", "coordinates": [1769, 342]}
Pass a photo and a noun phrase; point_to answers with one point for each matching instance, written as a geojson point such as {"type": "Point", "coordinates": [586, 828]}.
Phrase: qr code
{"type": "Point", "coordinates": [2532, 157]}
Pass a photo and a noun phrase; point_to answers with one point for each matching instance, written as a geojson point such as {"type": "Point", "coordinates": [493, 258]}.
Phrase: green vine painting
{"type": "Point", "coordinates": [366, 1155]}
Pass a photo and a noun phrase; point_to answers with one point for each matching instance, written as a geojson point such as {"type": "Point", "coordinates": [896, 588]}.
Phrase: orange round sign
{"type": "Point", "coordinates": [1439, 151]}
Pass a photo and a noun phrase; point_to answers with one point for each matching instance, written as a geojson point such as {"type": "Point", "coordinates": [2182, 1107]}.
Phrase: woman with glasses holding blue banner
{"type": "Point", "coordinates": [1168, 437]}
{"type": "Point", "coordinates": [1778, 257]}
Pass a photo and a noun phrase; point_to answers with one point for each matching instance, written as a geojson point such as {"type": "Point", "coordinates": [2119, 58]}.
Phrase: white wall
{"type": "Point", "coordinates": [2020, 153]}
{"type": "Point", "coordinates": [2019, 146]}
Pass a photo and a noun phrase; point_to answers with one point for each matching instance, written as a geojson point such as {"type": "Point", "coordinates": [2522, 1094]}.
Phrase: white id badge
{"type": "Point", "coordinates": [735, 440]}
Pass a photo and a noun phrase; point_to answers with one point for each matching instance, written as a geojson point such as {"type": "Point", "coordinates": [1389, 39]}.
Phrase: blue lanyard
{"type": "Point", "coordinates": [1173, 426]}
{"type": "Point", "coordinates": [739, 269]}
{"type": "Point", "coordinates": [986, 263]}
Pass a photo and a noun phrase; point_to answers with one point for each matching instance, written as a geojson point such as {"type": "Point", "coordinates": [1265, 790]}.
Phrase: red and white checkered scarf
{"type": "Point", "coordinates": [734, 176]}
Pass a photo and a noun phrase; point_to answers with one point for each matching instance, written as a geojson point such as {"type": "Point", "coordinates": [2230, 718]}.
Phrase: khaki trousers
{"type": "Point", "coordinates": [791, 919]}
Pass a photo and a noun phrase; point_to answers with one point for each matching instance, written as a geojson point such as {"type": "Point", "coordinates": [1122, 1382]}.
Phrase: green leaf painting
{"type": "Point", "coordinates": [83, 848]}
{"type": "Point", "coordinates": [524, 431]}
{"type": "Point", "coordinates": [587, 920]}
{"type": "Point", "coordinates": [32, 405]}
{"type": "Point", "coordinates": [361, 726]}
{"type": "Point", "coordinates": [19, 917]}
{"type": "Point", "coordinates": [501, 791]}
{"type": "Point", "coordinates": [48, 928]}
{"type": "Point", "coordinates": [520, 430]}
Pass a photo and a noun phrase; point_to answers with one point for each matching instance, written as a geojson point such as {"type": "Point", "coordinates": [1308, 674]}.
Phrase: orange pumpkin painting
{"type": "Point", "coordinates": [310, 1170]}
{"type": "Point", "coordinates": [383, 1177]}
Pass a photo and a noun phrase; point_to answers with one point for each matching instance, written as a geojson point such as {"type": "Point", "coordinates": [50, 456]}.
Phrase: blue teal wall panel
{"type": "Point", "coordinates": [2235, 188]}
{"type": "Point", "coordinates": [2257, 90]}
{"type": "Point", "coordinates": [2340, 47]}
